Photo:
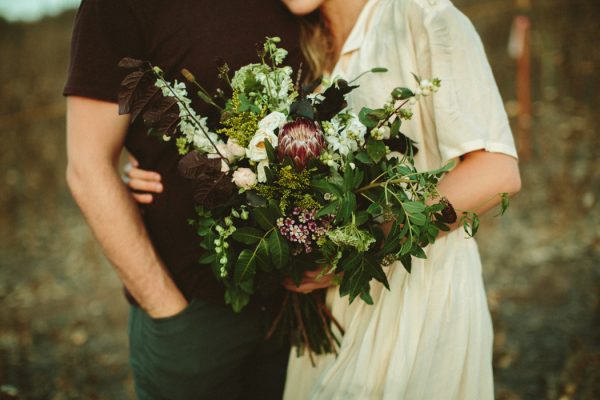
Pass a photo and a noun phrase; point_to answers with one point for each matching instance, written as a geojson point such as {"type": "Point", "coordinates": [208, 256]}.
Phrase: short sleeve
{"type": "Point", "coordinates": [105, 31]}
{"type": "Point", "coordinates": [468, 110]}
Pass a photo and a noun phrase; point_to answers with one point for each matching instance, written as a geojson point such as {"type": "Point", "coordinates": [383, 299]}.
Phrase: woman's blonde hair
{"type": "Point", "coordinates": [316, 42]}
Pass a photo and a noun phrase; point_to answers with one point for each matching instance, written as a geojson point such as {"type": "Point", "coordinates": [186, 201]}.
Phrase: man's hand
{"type": "Point", "coordinates": [310, 282]}
{"type": "Point", "coordinates": [95, 136]}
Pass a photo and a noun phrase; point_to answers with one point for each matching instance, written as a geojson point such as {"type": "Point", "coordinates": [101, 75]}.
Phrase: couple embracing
{"type": "Point", "coordinates": [429, 337]}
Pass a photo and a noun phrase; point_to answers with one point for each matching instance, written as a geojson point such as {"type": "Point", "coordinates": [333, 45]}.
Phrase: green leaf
{"type": "Point", "coordinates": [271, 153]}
{"type": "Point", "coordinates": [379, 69]}
{"type": "Point", "coordinates": [376, 149]}
{"type": "Point", "coordinates": [368, 119]}
{"type": "Point", "coordinates": [263, 260]}
{"type": "Point", "coordinates": [207, 258]}
{"type": "Point", "coordinates": [406, 246]}
{"type": "Point", "coordinates": [347, 207]}
{"type": "Point", "coordinates": [278, 249]}
{"type": "Point", "coordinates": [327, 187]}
{"type": "Point", "coordinates": [366, 297]}
{"type": "Point", "coordinates": [418, 219]}
{"type": "Point", "coordinates": [395, 128]}
{"type": "Point", "coordinates": [504, 203]}
{"type": "Point", "coordinates": [237, 299]}
{"type": "Point", "coordinates": [245, 268]}
{"type": "Point", "coordinates": [377, 272]}
{"type": "Point", "coordinates": [264, 217]}
{"type": "Point", "coordinates": [247, 235]}
{"type": "Point", "coordinates": [418, 252]}
{"type": "Point", "coordinates": [363, 157]}
{"type": "Point", "coordinates": [329, 209]}
{"type": "Point", "coordinates": [351, 261]}
{"type": "Point", "coordinates": [413, 207]}
{"type": "Point", "coordinates": [375, 209]}
{"type": "Point", "coordinates": [361, 217]}
{"type": "Point", "coordinates": [357, 178]}
{"type": "Point", "coordinates": [348, 178]}
{"type": "Point", "coordinates": [406, 261]}
{"type": "Point", "coordinates": [359, 284]}
{"type": "Point", "coordinates": [402, 93]}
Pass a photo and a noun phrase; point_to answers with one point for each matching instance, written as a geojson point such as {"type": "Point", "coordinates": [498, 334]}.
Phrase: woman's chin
{"type": "Point", "coordinates": [302, 7]}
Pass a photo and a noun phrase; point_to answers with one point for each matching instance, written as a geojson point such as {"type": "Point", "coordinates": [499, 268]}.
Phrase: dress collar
{"type": "Point", "coordinates": [359, 31]}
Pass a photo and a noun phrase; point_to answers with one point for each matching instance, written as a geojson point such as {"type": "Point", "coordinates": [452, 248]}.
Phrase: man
{"type": "Point", "coordinates": [185, 343]}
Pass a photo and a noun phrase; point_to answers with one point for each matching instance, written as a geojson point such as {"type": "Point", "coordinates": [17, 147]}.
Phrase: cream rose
{"type": "Point", "coordinates": [272, 121]}
{"type": "Point", "coordinates": [244, 178]}
{"type": "Point", "coordinates": [235, 149]}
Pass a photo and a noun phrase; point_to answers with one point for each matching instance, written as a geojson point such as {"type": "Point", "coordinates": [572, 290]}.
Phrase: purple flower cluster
{"type": "Point", "coordinates": [303, 228]}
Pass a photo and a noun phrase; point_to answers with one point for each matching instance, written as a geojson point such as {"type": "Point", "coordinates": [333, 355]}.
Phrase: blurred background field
{"type": "Point", "coordinates": [62, 316]}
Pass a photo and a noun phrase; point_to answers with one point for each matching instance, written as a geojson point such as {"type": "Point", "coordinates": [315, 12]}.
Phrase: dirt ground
{"type": "Point", "coordinates": [62, 316]}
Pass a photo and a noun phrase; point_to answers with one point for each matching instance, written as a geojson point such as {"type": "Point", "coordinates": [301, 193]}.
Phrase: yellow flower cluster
{"type": "Point", "coordinates": [240, 125]}
{"type": "Point", "coordinates": [291, 187]}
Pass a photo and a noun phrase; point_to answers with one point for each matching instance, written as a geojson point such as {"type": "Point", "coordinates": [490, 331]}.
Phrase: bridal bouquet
{"type": "Point", "coordinates": [293, 180]}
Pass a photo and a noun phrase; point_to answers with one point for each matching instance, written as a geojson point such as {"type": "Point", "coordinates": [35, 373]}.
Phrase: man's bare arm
{"type": "Point", "coordinates": [95, 137]}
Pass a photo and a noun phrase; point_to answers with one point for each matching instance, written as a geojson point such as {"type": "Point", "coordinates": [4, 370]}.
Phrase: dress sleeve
{"type": "Point", "coordinates": [468, 110]}
{"type": "Point", "coordinates": [105, 31]}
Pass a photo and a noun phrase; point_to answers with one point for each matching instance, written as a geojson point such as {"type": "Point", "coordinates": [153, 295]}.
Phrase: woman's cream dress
{"type": "Point", "coordinates": [430, 336]}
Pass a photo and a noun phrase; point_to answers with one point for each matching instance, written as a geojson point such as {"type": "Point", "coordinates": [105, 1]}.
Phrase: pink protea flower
{"type": "Point", "coordinates": [301, 140]}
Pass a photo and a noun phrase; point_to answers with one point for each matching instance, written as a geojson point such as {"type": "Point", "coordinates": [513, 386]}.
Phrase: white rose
{"type": "Point", "coordinates": [272, 121]}
{"type": "Point", "coordinates": [235, 149]}
{"type": "Point", "coordinates": [256, 150]}
{"type": "Point", "coordinates": [244, 178]}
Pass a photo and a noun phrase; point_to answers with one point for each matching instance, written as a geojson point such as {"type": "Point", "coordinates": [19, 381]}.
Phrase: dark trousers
{"type": "Point", "coordinates": [205, 352]}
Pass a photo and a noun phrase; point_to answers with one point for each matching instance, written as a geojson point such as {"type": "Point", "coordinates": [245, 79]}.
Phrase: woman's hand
{"type": "Point", "coordinates": [141, 183]}
{"type": "Point", "coordinates": [310, 282]}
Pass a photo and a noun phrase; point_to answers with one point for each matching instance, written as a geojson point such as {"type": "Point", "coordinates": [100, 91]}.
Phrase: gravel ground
{"type": "Point", "coordinates": [62, 316]}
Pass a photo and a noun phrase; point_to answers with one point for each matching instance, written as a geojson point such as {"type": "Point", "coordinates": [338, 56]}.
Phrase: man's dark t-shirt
{"type": "Point", "coordinates": [172, 34]}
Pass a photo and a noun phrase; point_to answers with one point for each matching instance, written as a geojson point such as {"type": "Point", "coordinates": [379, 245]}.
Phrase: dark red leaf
{"type": "Point", "coordinates": [132, 63]}
{"type": "Point", "coordinates": [210, 186]}
{"type": "Point", "coordinates": [193, 165]}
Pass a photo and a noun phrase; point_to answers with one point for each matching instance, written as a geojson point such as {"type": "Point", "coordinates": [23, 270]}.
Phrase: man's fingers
{"type": "Point", "coordinates": [143, 198]}
{"type": "Point", "coordinates": [145, 186]}
{"type": "Point", "coordinates": [137, 173]}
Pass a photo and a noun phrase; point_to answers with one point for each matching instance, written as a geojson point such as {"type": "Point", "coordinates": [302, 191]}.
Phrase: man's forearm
{"type": "Point", "coordinates": [116, 223]}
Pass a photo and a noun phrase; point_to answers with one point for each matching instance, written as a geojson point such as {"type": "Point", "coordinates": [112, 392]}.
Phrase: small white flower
{"type": "Point", "coordinates": [394, 154]}
{"type": "Point", "coordinates": [256, 150]}
{"type": "Point", "coordinates": [352, 165]}
{"type": "Point", "coordinates": [244, 178]}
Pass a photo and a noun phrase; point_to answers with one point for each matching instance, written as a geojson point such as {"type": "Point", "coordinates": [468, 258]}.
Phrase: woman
{"type": "Point", "coordinates": [430, 336]}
